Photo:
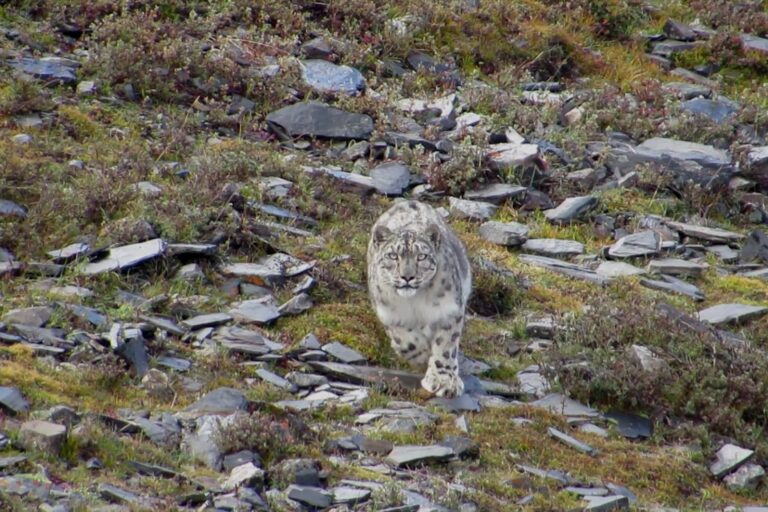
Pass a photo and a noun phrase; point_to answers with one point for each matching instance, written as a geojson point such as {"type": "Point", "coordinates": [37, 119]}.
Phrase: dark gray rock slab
{"type": "Point", "coordinates": [296, 305]}
{"type": "Point", "coordinates": [640, 244]}
{"type": "Point", "coordinates": [165, 431]}
{"type": "Point", "coordinates": [670, 47]}
{"type": "Point", "coordinates": [565, 268]}
{"type": "Point", "coordinates": [52, 70]}
{"type": "Point", "coordinates": [730, 313]}
{"type": "Point", "coordinates": [463, 447]}
{"type": "Point", "coordinates": [391, 178]}
{"type": "Point", "coordinates": [326, 77]}
{"type": "Point", "coordinates": [219, 401]}
{"type": "Point", "coordinates": [728, 459]}
{"type": "Point", "coordinates": [572, 442]}
{"type": "Point", "coordinates": [313, 497]}
{"type": "Point", "coordinates": [11, 209]}
{"type": "Point", "coordinates": [673, 285]}
{"type": "Point", "coordinates": [755, 248]}
{"type": "Point", "coordinates": [687, 91]}
{"type": "Point", "coordinates": [312, 119]}
{"type": "Point", "coordinates": [135, 354]}
{"type": "Point", "coordinates": [553, 247]}
{"type": "Point", "coordinates": [715, 235]}
{"type": "Point", "coordinates": [679, 31]}
{"type": "Point", "coordinates": [207, 320]}
{"type": "Point", "coordinates": [117, 494]}
{"type": "Point", "coordinates": [175, 363]}
{"type": "Point", "coordinates": [719, 111]}
{"type": "Point", "coordinates": [495, 193]}
{"type": "Point", "coordinates": [754, 43]}
{"type": "Point", "coordinates": [606, 503]}
{"type": "Point", "coordinates": [12, 400]}
{"type": "Point", "coordinates": [505, 156]}
{"type": "Point", "coordinates": [343, 353]}
{"type": "Point", "coordinates": [746, 477]}
{"type": "Point", "coordinates": [276, 380]}
{"type": "Point", "coordinates": [472, 210]}
{"type": "Point", "coordinates": [69, 253]}
{"type": "Point", "coordinates": [415, 455]}
{"type": "Point", "coordinates": [126, 256]}
{"type": "Point", "coordinates": [254, 311]}
{"type": "Point", "coordinates": [509, 234]}
{"type": "Point", "coordinates": [350, 495]}
{"type": "Point", "coordinates": [561, 404]}
{"type": "Point", "coordinates": [571, 209]}
{"type": "Point", "coordinates": [630, 425]}
{"type": "Point", "coordinates": [43, 436]}
{"type": "Point", "coordinates": [349, 181]}
{"type": "Point", "coordinates": [677, 267]}
{"type": "Point", "coordinates": [613, 269]}
{"type": "Point", "coordinates": [36, 316]}
{"type": "Point", "coordinates": [657, 148]}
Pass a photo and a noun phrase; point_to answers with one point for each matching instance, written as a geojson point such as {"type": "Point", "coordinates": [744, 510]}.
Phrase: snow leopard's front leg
{"type": "Point", "coordinates": [442, 376]}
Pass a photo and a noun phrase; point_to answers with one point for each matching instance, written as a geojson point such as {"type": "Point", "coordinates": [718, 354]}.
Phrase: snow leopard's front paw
{"type": "Point", "coordinates": [443, 382]}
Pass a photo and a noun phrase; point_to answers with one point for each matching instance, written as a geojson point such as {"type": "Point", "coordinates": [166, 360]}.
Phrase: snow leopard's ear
{"type": "Point", "coordinates": [433, 233]}
{"type": "Point", "coordinates": [380, 235]}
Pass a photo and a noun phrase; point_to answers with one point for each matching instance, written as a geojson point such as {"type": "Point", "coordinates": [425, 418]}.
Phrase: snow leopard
{"type": "Point", "coordinates": [419, 282]}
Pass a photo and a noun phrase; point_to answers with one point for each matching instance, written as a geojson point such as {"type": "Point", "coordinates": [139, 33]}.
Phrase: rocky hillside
{"type": "Point", "coordinates": [186, 189]}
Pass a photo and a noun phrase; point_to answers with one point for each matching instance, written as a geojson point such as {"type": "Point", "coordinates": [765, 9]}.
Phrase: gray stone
{"type": "Point", "coordinates": [565, 268]}
{"type": "Point", "coordinates": [649, 361]}
{"type": "Point", "coordinates": [306, 380]}
{"type": "Point", "coordinates": [254, 311]}
{"type": "Point", "coordinates": [21, 139]}
{"type": "Point", "coordinates": [560, 404]}
{"type": "Point", "coordinates": [135, 353]}
{"type": "Point", "coordinates": [118, 495]}
{"type": "Point", "coordinates": [219, 401]}
{"type": "Point", "coordinates": [409, 139]}
{"type": "Point", "coordinates": [191, 272]}
{"type": "Point", "coordinates": [69, 253]}
{"type": "Point", "coordinates": [677, 267]}
{"type": "Point", "coordinates": [349, 181]}
{"type": "Point", "coordinates": [372, 375]}
{"type": "Point", "coordinates": [495, 193]}
{"type": "Point", "coordinates": [631, 426]}
{"type": "Point", "coordinates": [310, 342]}
{"type": "Point", "coordinates": [126, 256]}
{"type": "Point", "coordinates": [728, 459]}
{"type": "Point", "coordinates": [500, 157]}
{"type": "Point", "coordinates": [174, 363]}
{"type": "Point", "coordinates": [326, 77]}
{"type": "Point", "coordinates": [163, 324]}
{"type": "Point", "coordinates": [51, 70]}
{"type": "Point", "coordinates": [552, 474]}
{"type": "Point", "coordinates": [674, 285]}
{"type": "Point", "coordinates": [612, 269]}
{"type": "Point", "coordinates": [591, 428]}
{"type": "Point", "coordinates": [730, 313]}
{"type": "Point", "coordinates": [43, 436]}
{"type": "Point", "coordinates": [587, 491]}
{"type": "Point", "coordinates": [747, 476]}
{"type": "Point", "coordinates": [391, 179]}
{"type": "Point", "coordinates": [207, 320]}
{"type": "Point", "coordinates": [296, 305]}
{"type": "Point", "coordinates": [247, 475]}
{"type": "Point", "coordinates": [461, 403]}
{"type": "Point", "coordinates": [350, 495]}
{"type": "Point", "coordinates": [724, 253]}
{"type": "Point", "coordinates": [755, 248]}
{"type": "Point", "coordinates": [11, 399]}
{"type": "Point", "coordinates": [472, 210]}
{"type": "Point", "coordinates": [642, 243]}
{"type": "Point", "coordinates": [718, 111]}
{"type": "Point", "coordinates": [671, 47]}
{"type": "Point", "coordinates": [605, 503]}
{"type": "Point", "coordinates": [532, 383]}
{"type": "Point", "coordinates": [716, 235]}
{"type": "Point", "coordinates": [754, 43]}
{"type": "Point", "coordinates": [343, 353]}
{"type": "Point", "coordinates": [11, 209]}
{"type": "Point", "coordinates": [572, 442]}
{"type": "Point", "coordinates": [413, 455]}
{"type": "Point", "coordinates": [164, 432]}
{"type": "Point", "coordinates": [658, 147]}
{"type": "Point", "coordinates": [687, 91]}
{"type": "Point", "coordinates": [554, 247]}
{"type": "Point", "coordinates": [318, 120]}
{"type": "Point", "coordinates": [317, 48]}
{"type": "Point", "coordinates": [510, 234]}
{"type": "Point", "coordinates": [314, 497]}
{"type": "Point", "coordinates": [276, 380]}
{"type": "Point", "coordinates": [680, 31]}
{"type": "Point", "coordinates": [571, 209]}
{"type": "Point", "coordinates": [36, 316]}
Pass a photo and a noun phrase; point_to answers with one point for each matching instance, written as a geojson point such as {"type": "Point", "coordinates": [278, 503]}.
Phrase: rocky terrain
{"type": "Point", "coordinates": [186, 190]}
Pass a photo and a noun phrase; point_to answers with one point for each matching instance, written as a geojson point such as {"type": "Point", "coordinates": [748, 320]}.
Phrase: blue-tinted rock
{"type": "Point", "coordinates": [324, 76]}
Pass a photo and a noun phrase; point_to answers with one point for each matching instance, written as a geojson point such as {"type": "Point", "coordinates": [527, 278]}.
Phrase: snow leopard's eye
{"type": "Point", "coordinates": [392, 255]}
{"type": "Point", "coordinates": [421, 257]}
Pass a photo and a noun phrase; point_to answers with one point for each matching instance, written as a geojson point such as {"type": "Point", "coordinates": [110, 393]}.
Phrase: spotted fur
{"type": "Point", "coordinates": [419, 281]}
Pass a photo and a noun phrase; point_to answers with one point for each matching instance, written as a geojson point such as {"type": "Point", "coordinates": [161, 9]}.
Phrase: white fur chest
{"type": "Point", "coordinates": [421, 310]}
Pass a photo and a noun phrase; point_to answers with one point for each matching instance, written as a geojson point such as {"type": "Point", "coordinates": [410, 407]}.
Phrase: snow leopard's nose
{"type": "Point", "coordinates": [408, 279]}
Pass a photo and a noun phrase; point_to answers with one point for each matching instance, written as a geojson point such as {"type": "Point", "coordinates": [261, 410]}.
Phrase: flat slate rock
{"type": "Point", "coordinates": [677, 267]}
{"type": "Point", "coordinates": [391, 178]}
{"type": "Point", "coordinates": [163, 324]}
{"type": "Point", "coordinates": [327, 77]}
{"type": "Point", "coordinates": [716, 235]}
{"type": "Point", "coordinates": [254, 311]}
{"type": "Point", "coordinates": [728, 459]}
{"type": "Point", "coordinates": [314, 497]}
{"type": "Point", "coordinates": [755, 248]}
{"type": "Point", "coordinates": [126, 256]}
{"type": "Point", "coordinates": [707, 156]}
{"type": "Point", "coordinates": [606, 503]}
{"type": "Point", "coordinates": [509, 234]}
{"type": "Point", "coordinates": [313, 119]}
{"type": "Point", "coordinates": [117, 494]}
{"type": "Point", "coordinates": [673, 285]}
{"type": "Point", "coordinates": [472, 210]}
{"type": "Point", "coordinates": [219, 401]}
{"type": "Point", "coordinates": [349, 180]}
{"type": "Point", "coordinates": [718, 111]}
{"type": "Point", "coordinates": [412, 455]}
{"type": "Point", "coordinates": [276, 380]}
{"type": "Point", "coordinates": [727, 313]}
{"type": "Point", "coordinates": [612, 269]}
{"type": "Point", "coordinates": [207, 320]}
{"type": "Point", "coordinates": [561, 404]}
{"type": "Point", "coordinates": [343, 353]}
{"type": "Point", "coordinates": [571, 209]}
{"type": "Point", "coordinates": [642, 243]}
{"type": "Point", "coordinates": [631, 426]}
{"type": "Point", "coordinates": [565, 268]}
{"type": "Point", "coordinates": [350, 495]}
{"type": "Point", "coordinates": [50, 69]}
{"type": "Point", "coordinates": [12, 209]}
{"type": "Point", "coordinates": [495, 193]}
{"type": "Point", "coordinates": [69, 253]}
{"type": "Point", "coordinates": [554, 247]}
{"type": "Point", "coordinates": [572, 442]}
{"type": "Point", "coordinates": [11, 399]}
{"type": "Point", "coordinates": [500, 157]}
{"type": "Point", "coordinates": [368, 374]}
